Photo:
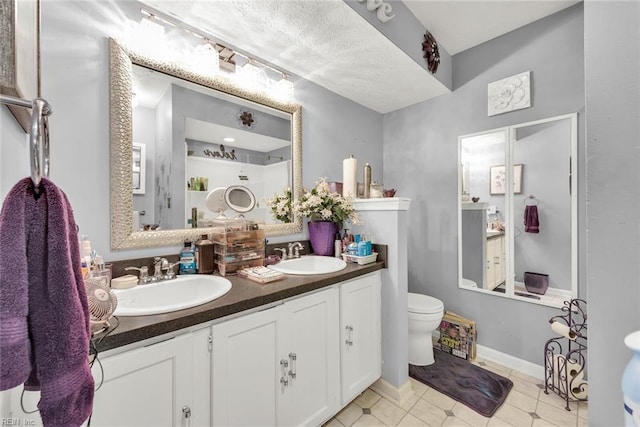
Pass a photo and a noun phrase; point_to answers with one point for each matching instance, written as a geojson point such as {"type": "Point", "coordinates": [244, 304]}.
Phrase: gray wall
{"type": "Point", "coordinates": [75, 69]}
{"type": "Point", "coordinates": [613, 180]}
{"type": "Point", "coordinates": [407, 33]}
{"type": "Point", "coordinates": [420, 154]}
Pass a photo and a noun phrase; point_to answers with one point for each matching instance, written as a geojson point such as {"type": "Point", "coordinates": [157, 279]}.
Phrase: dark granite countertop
{"type": "Point", "coordinates": [244, 295]}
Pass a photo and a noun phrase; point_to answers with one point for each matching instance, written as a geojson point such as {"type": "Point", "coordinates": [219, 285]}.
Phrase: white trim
{"type": "Point", "coordinates": [398, 395]}
{"type": "Point", "coordinates": [511, 362]}
{"type": "Point", "coordinates": [382, 204]}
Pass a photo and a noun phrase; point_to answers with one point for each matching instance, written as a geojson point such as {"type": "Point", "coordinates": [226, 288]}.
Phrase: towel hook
{"type": "Point", "coordinates": [39, 141]}
{"type": "Point", "coordinates": [532, 198]}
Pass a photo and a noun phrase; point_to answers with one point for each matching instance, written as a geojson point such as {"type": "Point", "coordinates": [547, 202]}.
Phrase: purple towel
{"type": "Point", "coordinates": [531, 224]}
{"type": "Point", "coordinates": [40, 269]}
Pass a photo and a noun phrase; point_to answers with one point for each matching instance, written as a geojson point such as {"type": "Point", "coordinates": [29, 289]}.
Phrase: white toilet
{"type": "Point", "coordinates": [425, 314]}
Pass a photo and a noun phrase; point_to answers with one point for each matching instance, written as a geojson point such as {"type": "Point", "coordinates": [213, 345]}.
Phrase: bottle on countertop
{"type": "Point", "coordinates": [204, 255]}
{"type": "Point", "coordinates": [337, 246]}
{"type": "Point", "coordinates": [367, 180]}
{"type": "Point", "coordinates": [187, 259]}
{"type": "Point", "coordinates": [364, 246]}
{"type": "Point", "coordinates": [345, 240]}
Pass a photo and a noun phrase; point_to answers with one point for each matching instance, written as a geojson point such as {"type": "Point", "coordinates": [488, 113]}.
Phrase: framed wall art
{"type": "Point", "coordinates": [498, 177]}
{"type": "Point", "coordinates": [20, 54]}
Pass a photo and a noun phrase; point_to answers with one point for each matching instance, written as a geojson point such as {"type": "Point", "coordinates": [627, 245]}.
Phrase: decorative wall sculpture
{"type": "Point", "coordinates": [382, 8]}
{"type": "Point", "coordinates": [512, 93]}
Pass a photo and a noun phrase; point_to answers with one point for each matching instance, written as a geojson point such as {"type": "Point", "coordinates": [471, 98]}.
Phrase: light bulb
{"type": "Point", "coordinates": [204, 60]}
{"type": "Point", "coordinates": [283, 90]}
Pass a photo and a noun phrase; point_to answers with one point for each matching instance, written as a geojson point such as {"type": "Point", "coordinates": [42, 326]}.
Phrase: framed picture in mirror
{"type": "Point", "coordinates": [498, 176]}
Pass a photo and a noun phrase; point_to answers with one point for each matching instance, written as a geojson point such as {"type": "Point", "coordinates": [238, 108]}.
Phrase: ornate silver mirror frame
{"type": "Point", "coordinates": [121, 139]}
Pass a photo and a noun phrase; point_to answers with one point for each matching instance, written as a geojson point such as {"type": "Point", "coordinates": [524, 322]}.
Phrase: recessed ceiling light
{"type": "Point", "coordinates": [228, 139]}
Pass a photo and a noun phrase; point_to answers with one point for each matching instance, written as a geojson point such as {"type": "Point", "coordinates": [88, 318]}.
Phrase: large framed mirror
{"type": "Point", "coordinates": [517, 222]}
{"type": "Point", "coordinates": [182, 120]}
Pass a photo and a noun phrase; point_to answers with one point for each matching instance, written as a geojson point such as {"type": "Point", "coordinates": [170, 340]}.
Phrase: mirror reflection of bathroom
{"type": "Point", "coordinates": [517, 226]}
{"type": "Point", "coordinates": [482, 233]}
{"type": "Point", "coordinates": [542, 242]}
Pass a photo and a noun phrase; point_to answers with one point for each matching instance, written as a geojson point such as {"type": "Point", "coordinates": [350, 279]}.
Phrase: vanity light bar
{"type": "Point", "coordinates": [225, 53]}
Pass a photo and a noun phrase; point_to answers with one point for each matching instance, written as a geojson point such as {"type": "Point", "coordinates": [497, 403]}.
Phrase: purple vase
{"type": "Point", "coordinates": [322, 235]}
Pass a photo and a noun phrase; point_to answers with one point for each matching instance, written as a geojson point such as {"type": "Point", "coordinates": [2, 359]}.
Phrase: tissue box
{"type": "Point", "coordinates": [458, 336]}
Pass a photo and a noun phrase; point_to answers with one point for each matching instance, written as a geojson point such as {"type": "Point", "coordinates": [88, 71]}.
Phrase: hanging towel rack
{"type": "Point", "coordinates": [39, 135]}
{"type": "Point", "coordinates": [531, 198]}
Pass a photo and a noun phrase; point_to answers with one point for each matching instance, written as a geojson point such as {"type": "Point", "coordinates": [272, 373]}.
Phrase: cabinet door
{"type": "Point", "coordinates": [148, 386]}
{"type": "Point", "coordinates": [246, 370]}
{"type": "Point", "coordinates": [491, 264]}
{"type": "Point", "coordinates": [360, 330]}
{"type": "Point", "coordinates": [201, 384]}
{"type": "Point", "coordinates": [501, 273]}
{"type": "Point", "coordinates": [310, 344]}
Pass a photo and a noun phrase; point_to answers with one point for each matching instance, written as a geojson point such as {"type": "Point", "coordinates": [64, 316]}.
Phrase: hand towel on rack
{"type": "Point", "coordinates": [531, 222]}
{"type": "Point", "coordinates": [48, 259]}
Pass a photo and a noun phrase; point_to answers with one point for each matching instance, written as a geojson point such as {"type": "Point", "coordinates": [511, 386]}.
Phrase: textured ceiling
{"type": "Point", "coordinates": [328, 43]}
{"type": "Point", "coordinates": [324, 41]}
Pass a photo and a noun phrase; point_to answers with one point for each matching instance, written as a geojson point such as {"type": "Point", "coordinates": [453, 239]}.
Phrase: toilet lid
{"type": "Point", "coordinates": [424, 304]}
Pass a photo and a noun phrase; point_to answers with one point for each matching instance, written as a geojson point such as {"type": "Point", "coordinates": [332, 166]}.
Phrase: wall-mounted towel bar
{"type": "Point", "coordinates": [39, 135]}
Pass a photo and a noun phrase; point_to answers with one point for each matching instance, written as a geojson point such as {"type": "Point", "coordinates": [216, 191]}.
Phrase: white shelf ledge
{"type": "Point", "coordinates": [382, 204]}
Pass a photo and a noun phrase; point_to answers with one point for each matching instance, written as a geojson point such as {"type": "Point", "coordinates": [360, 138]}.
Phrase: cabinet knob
{"type": "Point", "coordinates": [349, 340]}
{"type": "Point", "coordinates": [284, 379]}
{"type": "Point", "coordinates": [292, 372]}
{"type": "Point", "coordinates": [186, 412]}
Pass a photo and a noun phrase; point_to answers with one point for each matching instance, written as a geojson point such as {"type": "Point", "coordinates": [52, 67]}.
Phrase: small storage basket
{"type": "Point", "coordinates": [536, 283]}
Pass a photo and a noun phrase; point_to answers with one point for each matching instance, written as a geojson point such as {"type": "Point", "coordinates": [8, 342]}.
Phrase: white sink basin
{"type": "Point", "coordinates": [310, 264]}
{"type": "Point", "coordinates": [170, 295]}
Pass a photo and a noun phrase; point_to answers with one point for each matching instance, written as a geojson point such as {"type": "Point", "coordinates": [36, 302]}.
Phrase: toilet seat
{"type": "Point", "coordinates": [424, 304]}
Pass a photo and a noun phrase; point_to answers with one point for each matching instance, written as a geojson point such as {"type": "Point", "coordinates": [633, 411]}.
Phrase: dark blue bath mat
{"type": "Point", "coordinates": [479, 389]}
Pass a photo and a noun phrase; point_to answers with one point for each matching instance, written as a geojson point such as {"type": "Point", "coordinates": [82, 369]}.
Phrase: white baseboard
{"type": "Point", "coordinates": [531, 369]}
{"type": "Point", "coordinates": [398, 395]}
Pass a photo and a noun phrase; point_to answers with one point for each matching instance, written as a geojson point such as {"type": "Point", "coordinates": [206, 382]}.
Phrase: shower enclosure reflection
{"type": "Point", "coordinates": [525, 218]}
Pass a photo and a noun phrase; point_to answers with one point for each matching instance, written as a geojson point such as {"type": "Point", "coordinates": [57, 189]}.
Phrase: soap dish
{"type": "Point", "coordinates": [124, 282]}
{"type": "Point", "coordinates": [361, 260]}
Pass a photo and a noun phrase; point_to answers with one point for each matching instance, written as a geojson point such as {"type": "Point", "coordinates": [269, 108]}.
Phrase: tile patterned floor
{"type": "Point", "coordinates": [526, 406]}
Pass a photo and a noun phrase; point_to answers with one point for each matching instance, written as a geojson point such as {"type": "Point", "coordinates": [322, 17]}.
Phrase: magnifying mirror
{"type": "Point", "coordinates": [240, 199]}
{"type": "Point", "coordinates": [216, 201]}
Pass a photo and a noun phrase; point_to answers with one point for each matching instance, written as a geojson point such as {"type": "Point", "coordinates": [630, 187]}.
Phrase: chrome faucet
{"type": "Point", "coordinates": [294, 249]}
{"type": "Point", "coordinates": [169, 272]}
{"type": "Point", "coordinates": [159, 264]}
{"type": "Point", "coordinates": [144, 274]}
{"type": "Point", "coordinates": [283, 253]}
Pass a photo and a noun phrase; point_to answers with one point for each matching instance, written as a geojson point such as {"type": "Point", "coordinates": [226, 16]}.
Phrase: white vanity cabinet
{"type": "Point", "coordinates": [360, 334]}
{"type": "Point", "coordinates": [496, 274]}
{"type": "Point", "coordinates": [279, 366]}
{"type": "Point", "coordinates": [161, 384]}
{"type": "Point", "coordinates": [145, 386]}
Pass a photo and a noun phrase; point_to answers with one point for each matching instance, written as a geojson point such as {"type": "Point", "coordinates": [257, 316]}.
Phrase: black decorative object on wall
{"type": "Point", "coordinates": [431, 52]}
{"type": "Point", "coordinates": [246, 119]}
